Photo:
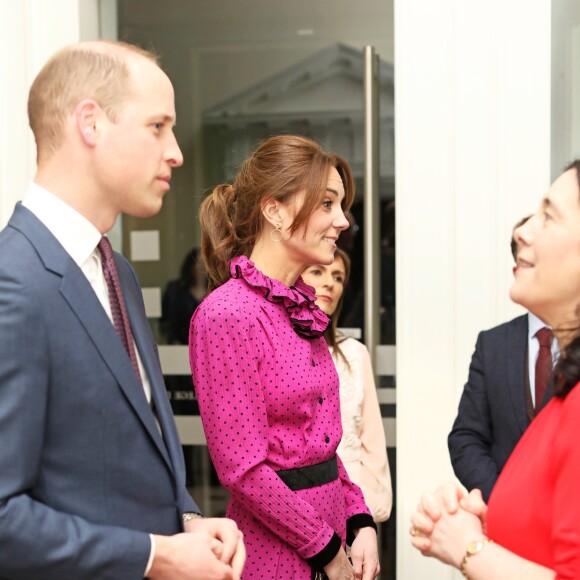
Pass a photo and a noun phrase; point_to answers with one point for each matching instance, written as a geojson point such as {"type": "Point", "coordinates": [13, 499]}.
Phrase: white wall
{"type": "Point", "coordinates": [472, 118]}
{"type": "Point", "coordinates": [30, 31]}
{"type": "Point", "coordinates": [473, 155]}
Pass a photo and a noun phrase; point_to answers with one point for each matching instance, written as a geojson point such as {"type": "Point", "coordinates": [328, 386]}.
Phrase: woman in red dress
{"type": "Point", "coordinates": [531, 527]}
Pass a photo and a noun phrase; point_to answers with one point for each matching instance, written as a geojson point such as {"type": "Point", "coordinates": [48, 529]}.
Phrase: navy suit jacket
{"type": "Point", "coordinates": [492, 413]}
{"type": "Point", "coordinates": [85, 474]}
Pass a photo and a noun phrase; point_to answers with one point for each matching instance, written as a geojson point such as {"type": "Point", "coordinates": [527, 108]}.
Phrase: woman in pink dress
{"type": "Point", "coordinates": [264, 379]}
{"type": "Point", "coordinates": [531, 526]}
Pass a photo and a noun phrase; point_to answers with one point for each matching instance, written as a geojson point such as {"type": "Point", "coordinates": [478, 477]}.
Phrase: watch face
{"type": "Point", "coordinates": [475, 547]}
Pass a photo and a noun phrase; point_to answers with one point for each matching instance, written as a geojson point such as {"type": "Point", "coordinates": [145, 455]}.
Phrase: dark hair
{"type": "Point", "coordinates": [513, 243]}
{"type": "Point", "coordinates": [231, 216]}
{"type": "Point", "coordinates": [332, 336]}
{"type": "Point", "coordinates": [188, 274]}
{"type": "Point", "coordinates": [567, 373]}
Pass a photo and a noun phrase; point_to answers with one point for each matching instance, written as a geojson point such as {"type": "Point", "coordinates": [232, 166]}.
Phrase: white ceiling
{"type": "Point", "coordinates": [208, 22]}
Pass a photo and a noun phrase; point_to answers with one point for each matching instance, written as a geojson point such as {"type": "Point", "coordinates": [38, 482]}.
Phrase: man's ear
{"type": "Point", "coordinates": [87, 115]}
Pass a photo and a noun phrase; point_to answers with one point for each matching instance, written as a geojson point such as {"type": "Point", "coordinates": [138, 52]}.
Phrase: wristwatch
{"type": "Point", "coordinates": [472, 548]}
{"type": "Point", "coordinates": [188, 516]}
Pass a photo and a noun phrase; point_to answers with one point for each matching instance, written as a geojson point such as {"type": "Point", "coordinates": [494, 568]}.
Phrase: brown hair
{"type": "Point", "coordinates": [231, 216]}
{"type": "Point", "coordinates": [331, 335]}
{"type": "Point", "coordinates": [96, 70]}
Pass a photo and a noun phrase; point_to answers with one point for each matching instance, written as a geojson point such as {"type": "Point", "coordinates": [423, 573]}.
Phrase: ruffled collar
{"type": "Point", "coordinates": [299, 300]}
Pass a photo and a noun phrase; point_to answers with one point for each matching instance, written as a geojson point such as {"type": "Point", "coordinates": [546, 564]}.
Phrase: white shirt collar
{"type": "Point", "coordinates": [76, 234]}
{"type": "Point", "coordinates": [534, 324]}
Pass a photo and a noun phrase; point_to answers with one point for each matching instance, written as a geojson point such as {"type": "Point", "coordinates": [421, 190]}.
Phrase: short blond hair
{"type": "Point", "coordinates": [96, 70]}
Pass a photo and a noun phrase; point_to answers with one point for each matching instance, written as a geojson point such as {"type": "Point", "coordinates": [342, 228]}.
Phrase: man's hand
{"type": "Point", "coordinates": [233, 551]}
{"type": "Point", "coordinates": [211, 549]}
{"type": "Point", "coordinates": [189, 556]}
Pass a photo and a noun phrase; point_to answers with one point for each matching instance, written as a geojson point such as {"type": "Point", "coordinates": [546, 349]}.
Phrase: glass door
{"type": "Point", "coordinates": [243, 71]}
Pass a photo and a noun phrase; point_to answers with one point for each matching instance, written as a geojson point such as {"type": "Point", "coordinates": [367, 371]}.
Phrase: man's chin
{"type": "Point", "coordinates": [147, 211]}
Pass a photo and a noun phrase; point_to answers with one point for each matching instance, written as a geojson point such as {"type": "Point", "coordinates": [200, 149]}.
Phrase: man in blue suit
{"type": "Point", "coordinates": [497, 403]}
{"type": "Point", "coordinates": [92, 482]}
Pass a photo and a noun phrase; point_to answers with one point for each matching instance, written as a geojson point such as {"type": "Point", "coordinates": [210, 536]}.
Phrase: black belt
{"type": "Point", "coordinates": [310, 476]}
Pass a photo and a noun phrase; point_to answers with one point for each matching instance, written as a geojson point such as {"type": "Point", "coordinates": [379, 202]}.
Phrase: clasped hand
{"type": "Point", "coordinates": [446, 521]}
{"type": "Point", "coordinates": [211, 549]}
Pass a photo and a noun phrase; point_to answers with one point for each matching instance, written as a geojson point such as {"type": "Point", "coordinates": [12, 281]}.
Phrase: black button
{"type": "Point", "coordinates": [327, 439]}
{"type": "Point", "coordinates": [320, 400]}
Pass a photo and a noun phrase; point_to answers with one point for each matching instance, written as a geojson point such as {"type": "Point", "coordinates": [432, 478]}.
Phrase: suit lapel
{"type": "Point", "coordinates": [83, 301]}
{"type": "Point", "coordinates": [149, 357]}
{"type": "Point", "coordinates": [516, 356]}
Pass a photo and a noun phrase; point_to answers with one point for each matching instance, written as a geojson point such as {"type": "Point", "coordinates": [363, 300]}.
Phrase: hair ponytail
{"type": "Point", "coordinates": [218, 234]}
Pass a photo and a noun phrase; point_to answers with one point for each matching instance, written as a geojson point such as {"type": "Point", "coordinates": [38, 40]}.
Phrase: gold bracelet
{"type": "Point", "coordinates": [472, 548]}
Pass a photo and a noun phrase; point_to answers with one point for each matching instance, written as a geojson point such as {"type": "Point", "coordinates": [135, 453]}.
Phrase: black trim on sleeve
{"type": "Point", "coordinates": [327, 554]}
{"type": "Point", "coordinates": [357, 522]}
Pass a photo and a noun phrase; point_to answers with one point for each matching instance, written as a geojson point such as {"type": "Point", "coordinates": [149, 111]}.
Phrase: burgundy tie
{"type": "Point", "coordinates": [118, 308]}
{"type": "Point", "coordinates": [544, 365]}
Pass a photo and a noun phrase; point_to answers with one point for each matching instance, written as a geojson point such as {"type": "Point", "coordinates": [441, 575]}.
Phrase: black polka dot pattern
{"type": "Point", "coordinates": [269, 400]}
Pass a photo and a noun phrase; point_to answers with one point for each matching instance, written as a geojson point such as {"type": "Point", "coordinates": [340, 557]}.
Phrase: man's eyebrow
{"type": "Point", "coordinates": [164, 117]}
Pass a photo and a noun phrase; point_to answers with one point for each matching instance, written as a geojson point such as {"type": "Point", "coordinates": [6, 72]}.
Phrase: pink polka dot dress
{"type": "Point", "coordinates": [268, 397]}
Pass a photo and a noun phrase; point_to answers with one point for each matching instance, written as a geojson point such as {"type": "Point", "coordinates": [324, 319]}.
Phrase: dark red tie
{"type": "Point", "coordinates": [118, 308]}
{"type": "Point", "coordinates": [544, 365]}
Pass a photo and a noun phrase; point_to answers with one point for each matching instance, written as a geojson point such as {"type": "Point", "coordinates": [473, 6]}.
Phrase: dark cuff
{"type": "Point", "coordinates": [357, 522]}
{"type": "Point", "coordinates": [328, 553]}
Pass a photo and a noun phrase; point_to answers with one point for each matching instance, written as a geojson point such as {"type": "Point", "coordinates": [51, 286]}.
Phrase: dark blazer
{"type": "Point", "coordinates": [85, 474]}
{"type": "Point", "coordinates": [492, 413]}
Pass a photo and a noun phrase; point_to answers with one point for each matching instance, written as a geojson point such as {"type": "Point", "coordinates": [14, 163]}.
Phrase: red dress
{"type": "Point", "coordinates": [534, 509]}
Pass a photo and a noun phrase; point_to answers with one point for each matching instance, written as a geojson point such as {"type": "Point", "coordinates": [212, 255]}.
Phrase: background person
{"type": "Point", "coordinates": [363, 447]}
{"type": "Point", "coordinates": [265, 381]}
{"type": "Point", "coordinates": [181, 297]}
{"type": "Point", "coordinates": [531, 528]}
{"type": "Point", "coordinates": [92, 482]}
{"type": "Point", "coordinates": [499, 399]}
